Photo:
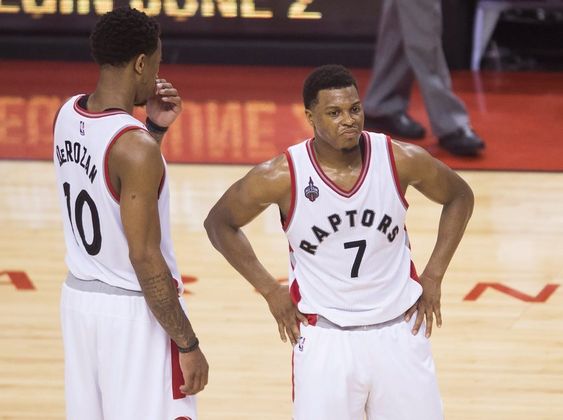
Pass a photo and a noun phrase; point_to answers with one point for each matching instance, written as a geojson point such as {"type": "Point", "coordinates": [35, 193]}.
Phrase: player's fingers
{"type": "Point", "coordinates": [173, 100]}
{"type": "Point", "coordinates": [199, 385]}
{"type": "Point", "coordinates": [196, 387]}
{"type": "Point", "coordinates": [188, 386]}
{"type": "Point", "coordinates": [429, 322]}
{"type": "Point", "coordinates": [206, 376]}
{"type": "Point", "coordinates": [301, 318]}
{"type": "Point", "coordinates": [281, 330]}
{"type": "Point", "coordinates": [410, 312]}
{"type": "Point", "coordinates": [168, 91]}
{"type": "Point", "coordinates": [295, 333]}
{"type": "Point", "coordinates": [438, 313]}
{"type": "Point", "coordinates": [187, 389]}
{"type": "Point", "coordinates": [418, 321]}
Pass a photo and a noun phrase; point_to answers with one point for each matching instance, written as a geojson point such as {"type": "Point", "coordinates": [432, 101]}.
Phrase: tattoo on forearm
{"type": "Point", "coordinates": [161, 296]}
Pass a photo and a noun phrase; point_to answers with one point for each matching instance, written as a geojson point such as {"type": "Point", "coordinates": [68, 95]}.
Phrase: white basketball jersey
{"type": "Point", "coordinates": [95, 240]}
{"type": "Point", "coordinates": [350, 257]}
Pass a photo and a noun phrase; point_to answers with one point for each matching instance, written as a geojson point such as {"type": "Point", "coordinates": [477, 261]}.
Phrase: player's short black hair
{"type": "Point", "coordinates": [121, 35]}
{"type": "Point", "coordinates": [330, 76]}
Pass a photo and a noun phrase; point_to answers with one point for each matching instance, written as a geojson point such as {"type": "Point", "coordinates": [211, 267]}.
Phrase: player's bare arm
{"type": "Point", "coordinates": [266, 184]}
{"type": "Point", "coordinates": [440, 184]}
{"type": "Point", "coordinates": [163, 108]}
{"type": "Point", "coordinates": [136, 170]}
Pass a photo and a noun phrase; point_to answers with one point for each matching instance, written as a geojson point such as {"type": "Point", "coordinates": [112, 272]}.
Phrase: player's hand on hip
{"type": "Point", "coordinates": [286, 314]}
{"type": "Point", "coordinates": [427, 306]}
{"type": "Point", "coordinates": [165, 105]}
{"type": "Point", "coordinates": [195, 370]}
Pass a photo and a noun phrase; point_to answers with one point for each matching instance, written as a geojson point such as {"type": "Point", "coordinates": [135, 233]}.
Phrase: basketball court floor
{"type": "Point", "coordinates": [499, 354]}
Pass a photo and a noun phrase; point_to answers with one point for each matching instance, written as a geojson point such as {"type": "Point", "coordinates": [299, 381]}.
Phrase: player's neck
{"type": "Point", "coordinates": [112, 92]}
{"type": "Point", "coordinates": [337, 158]}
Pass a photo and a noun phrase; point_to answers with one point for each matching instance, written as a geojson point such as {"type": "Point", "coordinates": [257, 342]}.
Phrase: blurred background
{"type": "Point", "coordinates": [527, 36]}
{"type": "Point", "coordinates": [239, 66]}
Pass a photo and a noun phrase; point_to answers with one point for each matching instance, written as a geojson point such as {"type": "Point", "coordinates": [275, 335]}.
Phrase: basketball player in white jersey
{"type": "Point", "coordinates": [130, 350]}
{"type": "Point", "coordinates": [352, 285]}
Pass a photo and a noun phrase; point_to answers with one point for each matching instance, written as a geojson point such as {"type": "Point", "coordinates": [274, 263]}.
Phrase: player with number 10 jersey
{"type": "Point", "coordinates": [95, 241]}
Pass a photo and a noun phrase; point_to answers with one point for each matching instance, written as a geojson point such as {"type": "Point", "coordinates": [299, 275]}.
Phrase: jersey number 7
{"type": "Point", "coordinates": [361, 245]}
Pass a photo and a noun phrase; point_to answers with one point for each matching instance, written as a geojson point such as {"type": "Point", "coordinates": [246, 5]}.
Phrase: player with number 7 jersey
{"type": "Point", "coordinates": [350, 256]}
{"type": "Point", "coordinates": [353, 293]}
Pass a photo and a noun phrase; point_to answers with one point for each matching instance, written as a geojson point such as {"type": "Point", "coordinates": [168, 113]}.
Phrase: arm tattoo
{"type": "Point", "coordinates": [162, 298]}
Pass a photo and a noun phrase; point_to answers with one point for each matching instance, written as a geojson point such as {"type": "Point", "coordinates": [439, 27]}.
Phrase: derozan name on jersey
{"type": "Point", "coordinates": [351, 218]}
{"type": "Point", "coordinates": [77, 153]}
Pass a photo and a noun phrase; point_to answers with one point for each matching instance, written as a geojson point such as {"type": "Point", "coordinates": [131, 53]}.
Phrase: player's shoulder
{"type": "Point", "coordinates": [414, 163]}
{"type": "Point", "coordinates": [270, 180]}
{"type": "Point", "coordinates": [408, 155]}
{"type": "Point", "coordinates": [136, 147]}
{"type": "Point", "coordinates": [272, 170]}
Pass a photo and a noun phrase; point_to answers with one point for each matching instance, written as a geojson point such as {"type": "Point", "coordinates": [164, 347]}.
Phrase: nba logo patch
{"type": "Point", "coordinates": [311, 191]}
{"type": "Point", "coordinates": [82, 128]}
{"type": "Point", "coordinates": [301, 343]}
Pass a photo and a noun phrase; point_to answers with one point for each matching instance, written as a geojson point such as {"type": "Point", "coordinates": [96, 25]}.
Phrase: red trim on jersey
{"type": "Point", "coordinates": [414, 274]}
{"type": "Point", "coordinates": [294, 292]}
{"type": "Point", "coordinates": [109, 185]}
{"type": "Point", "coordinates": [391, 156]}
{"type": "Point", "coordinates": [90, 114]}
{"type": "Point", "coordinates": [312, 319]}
{"type": "Point", "coordinates": [366, 158]}
{"type": "Point", "coordinates": [177, 376]}
{"type": "Point", "coordinates": [162, 181]}
{"type": "Point", "coordinates": [178, 283]}
{"type": "Point", "coordinates": [289, 215]}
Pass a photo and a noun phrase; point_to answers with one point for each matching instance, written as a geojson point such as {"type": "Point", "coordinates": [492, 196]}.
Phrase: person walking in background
{"type": "Point", "coordinates": [409, 46]}
{"type": "Point", "coordinates": [352, 284]}
{"type": "Point", "coordinates": [130, 350]}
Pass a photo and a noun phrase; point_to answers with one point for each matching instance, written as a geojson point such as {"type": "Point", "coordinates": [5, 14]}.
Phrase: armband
{"type": "Point", "coordinates": [191, 347]}
{"type": "Point", "coordinates": [154, 127]}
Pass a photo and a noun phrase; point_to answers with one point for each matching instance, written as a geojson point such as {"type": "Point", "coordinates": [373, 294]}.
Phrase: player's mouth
{"type": "Point", "coordinates": [350, 131]}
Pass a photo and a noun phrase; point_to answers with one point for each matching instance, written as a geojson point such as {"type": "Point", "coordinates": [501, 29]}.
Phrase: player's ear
{"type": "Point", "coordinates": [309, 116]}
{"type": "Point", "coordinates": [140, 63]}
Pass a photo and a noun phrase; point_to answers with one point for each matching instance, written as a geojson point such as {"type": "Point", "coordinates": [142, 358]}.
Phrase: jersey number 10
{"type": "Point", "coordinates": [83, 198]}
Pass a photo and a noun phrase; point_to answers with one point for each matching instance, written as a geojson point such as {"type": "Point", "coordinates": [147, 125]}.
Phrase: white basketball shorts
{"type": "Point", "coordinates": [381, 373]}
{"type": "Point", "coordinates": [119, 362]}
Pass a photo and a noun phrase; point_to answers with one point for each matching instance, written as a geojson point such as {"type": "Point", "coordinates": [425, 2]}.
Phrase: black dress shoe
{"type": "Point", "coordinates": [462, 142]}
{"type": "Point", "coordinates": [396, 125]}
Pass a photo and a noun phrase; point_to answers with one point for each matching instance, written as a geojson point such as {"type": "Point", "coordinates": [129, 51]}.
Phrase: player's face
{"type": "Point", "coordinates": [148, 76]}
{"type": "Point", "coordinates": [337, 117]}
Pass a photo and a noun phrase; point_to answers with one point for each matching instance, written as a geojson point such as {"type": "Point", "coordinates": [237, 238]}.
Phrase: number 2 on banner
{"type": "Point", "coordinates": [83, 198]}
{"type": "Point", "coordinates": [297, 10]}
{"type": "Point", "coordinates": [361, 245]}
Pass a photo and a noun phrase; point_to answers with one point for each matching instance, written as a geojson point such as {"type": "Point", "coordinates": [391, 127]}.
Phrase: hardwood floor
{"type": "Point", "coordinates": [498, 357]}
